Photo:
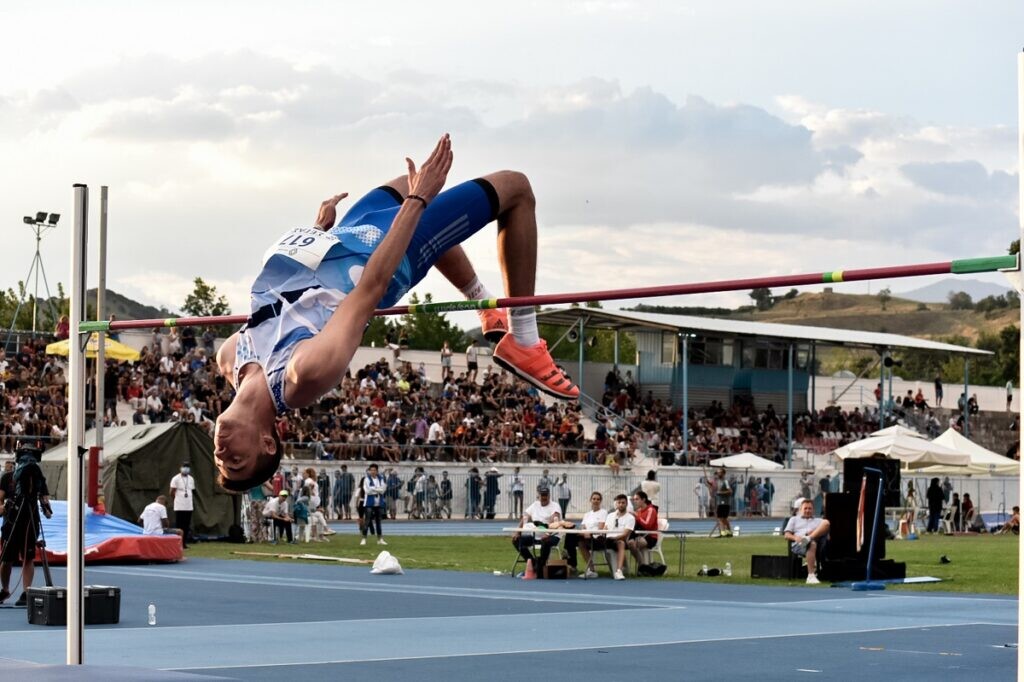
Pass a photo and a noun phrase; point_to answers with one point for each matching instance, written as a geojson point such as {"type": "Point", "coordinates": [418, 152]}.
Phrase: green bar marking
{"type": "Point", "coordinates": [86, 326]}
{"type": "Point", "coordinates": [990, 264]}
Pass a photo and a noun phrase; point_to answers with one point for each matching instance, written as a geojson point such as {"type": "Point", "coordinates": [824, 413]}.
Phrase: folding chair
{"type": "Point", "coordinates": [648, 554]}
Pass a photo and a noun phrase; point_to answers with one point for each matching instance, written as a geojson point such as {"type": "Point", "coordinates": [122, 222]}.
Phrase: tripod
{"type": "Point", "coordinates": [39, 225]}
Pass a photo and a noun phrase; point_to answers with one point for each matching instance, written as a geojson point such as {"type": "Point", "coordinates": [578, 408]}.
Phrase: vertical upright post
{"type": "Point", "coordinates": [1020, 216]}
{"type": "Point", "coordinates": [579, 380]}
{"type": "Point", "coordinates": [789, 412]}
{"type": "Point", "coordinates": [814, 371]}
{"type": "Point", "coordinates": [76, 429]}
{"type": "Point", "coordinates": [35, 296]}
{"type": "Point", "coordinates": [881, 390]}
{"type": "Point", "coordinates": [890, 404]}
{"type": "Point", "coordinates": [101, 302]}
{"type": "Point", "coordinates": [615, 354]}
{"type": "Point", "coordinates": [686, 398]}
{"type": "Point", "coordinates": [967, 397]}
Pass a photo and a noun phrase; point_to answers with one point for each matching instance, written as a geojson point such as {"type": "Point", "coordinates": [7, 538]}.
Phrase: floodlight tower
{"type": "Point", "coordinates": [40, 224]}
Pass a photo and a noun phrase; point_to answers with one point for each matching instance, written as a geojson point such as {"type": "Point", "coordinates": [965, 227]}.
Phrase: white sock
{"type": "Point", "coordinates": [475, 290]}
{"type": "Point", "coordinates": [523, 322]}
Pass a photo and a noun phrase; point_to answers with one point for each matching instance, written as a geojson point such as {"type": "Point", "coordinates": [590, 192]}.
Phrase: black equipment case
{"type": "Point", "coordinates": [48, 605]}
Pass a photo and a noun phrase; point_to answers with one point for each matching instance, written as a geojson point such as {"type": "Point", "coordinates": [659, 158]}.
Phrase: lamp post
{"type": "Point", "coordinates": [41, 223]}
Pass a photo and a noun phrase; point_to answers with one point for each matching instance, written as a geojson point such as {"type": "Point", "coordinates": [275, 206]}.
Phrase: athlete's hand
{"type": "Point", "coordinates": [328, 211]}
{"type": "Point", "coordinates": [429, 179]}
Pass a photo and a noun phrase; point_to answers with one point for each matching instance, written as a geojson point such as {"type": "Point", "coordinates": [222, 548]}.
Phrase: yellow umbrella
{"type": "Point", "coordinates": [113, 350]}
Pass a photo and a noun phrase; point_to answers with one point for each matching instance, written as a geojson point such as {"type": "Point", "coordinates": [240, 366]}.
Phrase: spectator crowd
{"type": "Point", "coordinates": [391, 412]}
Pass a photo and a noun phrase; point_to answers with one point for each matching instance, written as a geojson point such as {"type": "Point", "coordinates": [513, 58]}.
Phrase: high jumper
{"type": "Point", "coordinates": [319, 287]}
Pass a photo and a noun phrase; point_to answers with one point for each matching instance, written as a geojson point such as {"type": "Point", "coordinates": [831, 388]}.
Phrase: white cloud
{"type": "Point", "coordinates": [210, 157]}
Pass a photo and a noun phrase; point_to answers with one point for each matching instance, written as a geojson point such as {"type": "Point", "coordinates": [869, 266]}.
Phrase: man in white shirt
{"type": "Point", "coordinates": [807, 536]}
{"type": "Point", "coordinates": [472, 353]}
{"type": "Point", "coordinates": [543, 513]}
{"type": "Point", "coordinates": [435, 441]}
{"type": "Point", "coordinates": [154, 518]}
{"type": "Point", "coordinates": [276, 510]}
{"type": "Point", "coordinates": [621, 524]}
{"type": "Point", "coordinates": [592, 520]}
{"type": "Point", "coordinates": [183, 487]}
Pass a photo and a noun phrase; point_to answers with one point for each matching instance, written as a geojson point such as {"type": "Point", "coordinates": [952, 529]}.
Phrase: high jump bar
{"type": "Point", "coordinates": [954, 267]}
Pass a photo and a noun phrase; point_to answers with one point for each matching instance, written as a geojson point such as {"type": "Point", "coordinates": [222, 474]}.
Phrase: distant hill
{"type": "Point", "coordinates": [864, 313]}
{"type": "Point", "coordinates": [124, 308]}
{"type": "Point", "coordinates": [939, 292]}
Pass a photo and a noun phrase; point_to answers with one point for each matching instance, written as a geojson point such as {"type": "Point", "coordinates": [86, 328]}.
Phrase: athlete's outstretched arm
{"type": "Point", "coordinates": [319, 363]}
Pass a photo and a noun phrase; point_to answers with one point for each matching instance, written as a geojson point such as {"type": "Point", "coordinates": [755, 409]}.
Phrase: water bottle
{"type": "Point", "coordinates": [736, 532]}
{"type": "Point", "coordinates": [728, 569]}
{"type": "Point", "coordinates": [704, 569]}
{"type": "Point", "coordinates": [152, 614]}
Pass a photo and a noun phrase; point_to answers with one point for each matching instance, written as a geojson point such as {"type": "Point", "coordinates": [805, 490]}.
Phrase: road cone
{"type": "Point", "coordinates": [530, 573]}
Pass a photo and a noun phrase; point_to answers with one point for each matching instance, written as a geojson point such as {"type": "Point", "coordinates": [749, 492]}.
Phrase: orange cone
{"type": "Point", "coordinates": [530, 573]}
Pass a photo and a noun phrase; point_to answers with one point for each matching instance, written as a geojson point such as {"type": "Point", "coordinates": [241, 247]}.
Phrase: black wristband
{"type": "Point", "coordinates": [418, 198]}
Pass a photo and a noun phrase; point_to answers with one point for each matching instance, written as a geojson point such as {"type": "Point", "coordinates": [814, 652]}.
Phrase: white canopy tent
{"type": "Point", "coordinates": [982, 461]}
{"type": "Point", "coordinates": [746, 460]}
{"type": "Point", "coordinates": [910, 447]}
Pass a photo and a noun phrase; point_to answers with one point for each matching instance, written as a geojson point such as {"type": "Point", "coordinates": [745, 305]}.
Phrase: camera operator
{"type": "Point", "coordinates": [22, 491]}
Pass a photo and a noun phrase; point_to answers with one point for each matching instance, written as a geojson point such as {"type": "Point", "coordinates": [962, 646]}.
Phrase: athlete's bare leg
{"type": "Point", "coordinates": [517, 235]}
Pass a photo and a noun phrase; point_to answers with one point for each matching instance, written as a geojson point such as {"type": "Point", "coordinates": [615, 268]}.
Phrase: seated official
{"type": "Point", "coordinates": [620, 524]}
{"type": "Point", "coordinates": [807, 536]}
{"type": "Point", "coordinates": [542, 514]}
{"type": "Point", "coordinates": [646, 515]}
{"type": "Point", "coordinates": [596, 542]}
{"type": "Point", "coordinates": [154, 519]}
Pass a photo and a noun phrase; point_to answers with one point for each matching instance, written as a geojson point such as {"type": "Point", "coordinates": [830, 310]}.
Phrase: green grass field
{"type": "Point", "coordinates": [978, 564]}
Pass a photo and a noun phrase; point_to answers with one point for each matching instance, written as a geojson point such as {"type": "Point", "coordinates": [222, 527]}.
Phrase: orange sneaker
{"type": "Point", "coordinates": [493, 323]}
{"type": "Point", "coordinates": [535, 364]}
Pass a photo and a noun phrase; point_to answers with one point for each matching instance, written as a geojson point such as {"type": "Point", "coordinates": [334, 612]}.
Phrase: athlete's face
{"type": "Point", "coordinates": [239, 445]}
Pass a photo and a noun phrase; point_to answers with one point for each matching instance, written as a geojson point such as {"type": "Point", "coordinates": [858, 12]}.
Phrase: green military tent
{"type": "Point", "coordinates": [137, 465]}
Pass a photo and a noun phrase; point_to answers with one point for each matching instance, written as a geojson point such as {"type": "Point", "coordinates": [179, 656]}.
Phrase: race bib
{"type": "Point", "coordinates": [305, 245]}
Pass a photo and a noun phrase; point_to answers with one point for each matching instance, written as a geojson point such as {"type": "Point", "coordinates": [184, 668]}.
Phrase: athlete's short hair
{"type": "Point", "coordinates": [266, 465]}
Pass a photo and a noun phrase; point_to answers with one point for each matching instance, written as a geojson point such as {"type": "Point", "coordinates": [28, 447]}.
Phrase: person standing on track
{"type": "Point", "coordinates": [183, 490]}
{"type": "Point", "coordinates": [374, 503]}
{"type": "Point", "coordinates": [320, 286]}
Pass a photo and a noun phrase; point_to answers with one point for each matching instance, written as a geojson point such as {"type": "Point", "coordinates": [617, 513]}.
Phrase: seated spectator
{"type": "Point", "coordinates": [276, 510]}
{"type": "Point", "coordinates": [646, 520]}
{"type": "Point", "coordinates": [542, 514]}
{"type": "Point", "coordinates": [967, 512]}
{"type": "Point", "coordinates": [620, 524]}
{"type": "Point", "coordinates": [807, 536]}
{"type": "Point", "coordinates": [1012, 525]}
{"type": "Point", "coordinates": [589, 543]}
{"type": "Point", "coordinates": [154, 519]}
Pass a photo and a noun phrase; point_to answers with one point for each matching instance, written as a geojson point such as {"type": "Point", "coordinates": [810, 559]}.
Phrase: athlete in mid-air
{"type": "Point", "coordinates": [320, 285]}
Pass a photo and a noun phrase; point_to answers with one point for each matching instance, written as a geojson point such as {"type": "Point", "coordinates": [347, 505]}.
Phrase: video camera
{"type": "Point", "coordinates": [28, 452]}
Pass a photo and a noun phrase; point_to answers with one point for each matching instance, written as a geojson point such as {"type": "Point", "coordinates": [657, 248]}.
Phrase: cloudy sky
{"type": "Point", "coordinates": [667, 141]}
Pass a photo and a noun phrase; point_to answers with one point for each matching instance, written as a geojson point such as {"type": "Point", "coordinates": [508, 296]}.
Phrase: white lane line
{"type": "Point", "coordinates": [558, 650]}
{"type": "Point", "coordinates": [434, 590]}
{"type": "Point", "coordinates": [367, 621]}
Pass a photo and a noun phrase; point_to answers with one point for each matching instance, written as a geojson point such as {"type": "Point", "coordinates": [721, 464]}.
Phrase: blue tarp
{"type": "Point", "coordinates": [98, 527]}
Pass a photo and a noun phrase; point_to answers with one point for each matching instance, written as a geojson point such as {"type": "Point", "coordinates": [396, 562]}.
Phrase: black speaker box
{"type": "Point", "coordinates": [841, 512]}
{"type": "Point", "coordinates": [853, 474]}
{"type": "Point", "coordinates": [788, 567]}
